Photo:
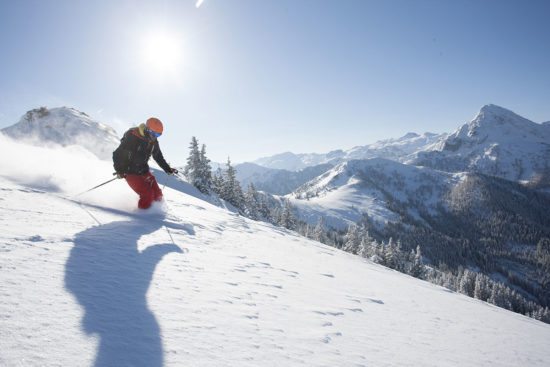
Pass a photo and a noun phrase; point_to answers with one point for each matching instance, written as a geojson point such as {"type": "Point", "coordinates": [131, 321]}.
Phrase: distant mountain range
{"type": "Point", "coordinates": [395, 149]}
{"type": "Point", "coordinates": [283, 173]}
{"type": "Point", "coordinates": [497, 142]}
{"type": "Point", "coordinates": [424, 175]}
{"type": "Point", "coordinates": [277, 181]}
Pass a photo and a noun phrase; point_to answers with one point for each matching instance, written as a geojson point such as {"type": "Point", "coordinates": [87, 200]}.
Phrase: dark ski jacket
{"type": "Point", "coordinates": [134, 151]}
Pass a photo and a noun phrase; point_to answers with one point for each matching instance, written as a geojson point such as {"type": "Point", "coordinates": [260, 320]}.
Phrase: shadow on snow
{"type": "Point", "coordinates": [109, 277]}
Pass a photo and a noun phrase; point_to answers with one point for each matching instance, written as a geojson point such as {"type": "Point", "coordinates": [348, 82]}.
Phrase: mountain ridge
{"type": "Point", "coordinates": [388, 148]}
{"type": "Point", "coordinates": [64, 126]}
{"type": "Point", "coordinates": [497, 142]}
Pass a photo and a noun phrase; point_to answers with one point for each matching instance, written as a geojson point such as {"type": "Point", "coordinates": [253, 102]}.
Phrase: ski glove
{"type": "Point", "coordinates": [120, 175]}
{"type": "Point", "coordinates": [172, 171]}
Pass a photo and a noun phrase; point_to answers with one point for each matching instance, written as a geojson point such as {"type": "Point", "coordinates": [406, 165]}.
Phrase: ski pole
{"type": "Point", "coordinates": [95, 187]}
{"type": "Point", "coordinates": [178, 177]}
{"type": "Point", "coordinates": [175, 175]}
{"type": "Point", "coordinates": [165, 181]}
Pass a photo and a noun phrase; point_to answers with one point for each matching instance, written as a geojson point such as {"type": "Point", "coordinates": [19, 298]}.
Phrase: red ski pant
{"type": "Point", "coordinates": [146, 187]}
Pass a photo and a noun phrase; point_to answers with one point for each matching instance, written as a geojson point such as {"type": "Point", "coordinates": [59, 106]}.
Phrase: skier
{"type": "Point", "coordinates": [131, 157]}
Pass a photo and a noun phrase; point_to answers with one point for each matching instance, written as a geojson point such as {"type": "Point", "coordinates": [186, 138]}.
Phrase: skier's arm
{"type": "Point", "coordinates": [122, 156]}
{"type": "Point", "coordinates": [159, 158]}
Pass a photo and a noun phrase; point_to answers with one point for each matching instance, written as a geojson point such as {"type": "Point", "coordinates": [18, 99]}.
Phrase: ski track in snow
{"type": "Point", "coordinates": [228, 292]}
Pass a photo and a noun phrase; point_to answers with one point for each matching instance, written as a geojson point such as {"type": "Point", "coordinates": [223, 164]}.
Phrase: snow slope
{"type": "Point", "coordinates": [190, 283]}
{"type": "Point", "coordinates": [65, 126]}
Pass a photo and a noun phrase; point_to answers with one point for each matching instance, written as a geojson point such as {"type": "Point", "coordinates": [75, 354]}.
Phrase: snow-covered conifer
{"type": "Point", "coordinates": [263, 209]}
{"type": "Point", "coordinates": [252, 202]}
{"type": "Point", "coordinates": [466, 283]}
{"type": "Point", "coordinates": [232, 191]}
{"type": "Point", "coordinates": [287, 218]}
{"type": "Point", "coordinates": [217, 182]}
{"type": "Point", "coordinates": [192, 168]}
{"type": "Point", "coordinates": [390, 255]}
{"type": "Point", "coordinates": [364, 250]}
{"type": "Point", "coordinates": [417, 268]}
{"type": "Point", "coordinates": [352, 240]}
{"type": "Point", "coordinates": [319, 231]}
{"type": "Point", "coordinates": [480, 287]}
{"type": "Point", "coordinates": [198, 170]}
{"type": "Point", "coordinates": [205, 171]}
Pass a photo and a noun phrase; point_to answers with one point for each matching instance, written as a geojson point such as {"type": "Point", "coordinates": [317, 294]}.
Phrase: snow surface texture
{"type": "Point", "coordinates": [65, 126]}
{"type": "Point", "coordinates": [191, 284]}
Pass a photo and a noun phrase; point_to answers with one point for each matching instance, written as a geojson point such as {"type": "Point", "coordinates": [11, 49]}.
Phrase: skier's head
{"type": "Point", "coordinates": [154, 127]}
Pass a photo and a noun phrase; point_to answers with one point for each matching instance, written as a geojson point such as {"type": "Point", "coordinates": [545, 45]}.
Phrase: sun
{"type": "Point", "coordinates": [162, 53]}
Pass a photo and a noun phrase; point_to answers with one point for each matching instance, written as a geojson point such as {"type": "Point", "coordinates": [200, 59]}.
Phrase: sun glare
{"type": "Point", "coordinates": [162, 54]}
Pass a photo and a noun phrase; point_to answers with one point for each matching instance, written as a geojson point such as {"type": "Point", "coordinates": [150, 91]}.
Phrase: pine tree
{"type": "Point", "coordinates": [379, 253]}
{"type": "Point", "coordinates": [198, 170]}
{"type": "Point", "coordinates": [400, 257]}
{"type": "Point", "coordinates": [252, 204]}
{"type": "Point", "coordinates": [319, 232]}
{"type": "Point", "coordinates": [364, 247]}
{"type": "Point", "coordinates": [192, 168]}
{"type": "Point", "coordinates": [232, 191]}
{"type": "Point", "coordinates": [417, 269]}
{"type": "Point", "coordinates": [481, 289]}
{"type": "Point", "coordinates": [500, 296]}
{"type": "Point", "coordinates": [466, 283]}
{"type": "Point", "coordinates": [217, 182]}
{"type": "Point", "coordinates": [263, 209]}
{"type": "Point", "coordinates": [390, 255]}
{"type": "Point", "coordinates": [287, 218]}
{"type": "Point", "coordinates": [352, 240]}
{"type": "Point", "coordinates": [205, 172]}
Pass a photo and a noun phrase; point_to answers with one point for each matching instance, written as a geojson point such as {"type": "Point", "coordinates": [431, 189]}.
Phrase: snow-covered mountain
{"type": "Point", "coordinates": [65, 126]}
{"type": "Point", "coordinates": [277, 181]}
{"type": "Point", "coordinates": [496, 142]}
{"type": "Point", "coordinates": [294, 162]}
{"type": "Point", "coordinates": [356, 187]}
{"type": "Point", "coordinates": [99, 283]}
{"type": "Point", "coordinates": [394, 149]}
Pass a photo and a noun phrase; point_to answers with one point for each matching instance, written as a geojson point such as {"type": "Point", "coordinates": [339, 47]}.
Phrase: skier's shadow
{"type": "Point", "coordinates": [109, 277]}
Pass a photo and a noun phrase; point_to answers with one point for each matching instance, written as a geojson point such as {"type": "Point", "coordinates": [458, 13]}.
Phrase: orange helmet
{"type": "Point", "coordinates": [155, 125]}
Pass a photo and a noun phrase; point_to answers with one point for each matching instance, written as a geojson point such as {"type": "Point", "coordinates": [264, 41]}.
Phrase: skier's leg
{"type": "Point", "coordinates": [141, 184]}
{"type": "Point", "coordinates": [156, 191]}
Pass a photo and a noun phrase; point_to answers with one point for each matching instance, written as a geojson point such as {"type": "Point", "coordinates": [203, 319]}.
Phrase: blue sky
{"type": "Point", "coordinates": [255, 77]}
